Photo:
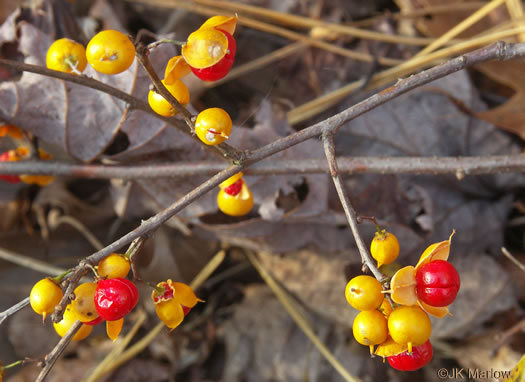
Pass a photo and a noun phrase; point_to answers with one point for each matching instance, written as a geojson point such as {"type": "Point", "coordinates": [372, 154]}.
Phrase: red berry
{"type": "Point", "coordinates": [420, 356]}
{"type": "Point", "coordinates": [437, 283]}
{"type": "Point", "coordinates": [115, 298]}
{"type": "Point", "coordinates": [185, 309]}
{"type": "Point", "coordinates": [234, 188]}
{"type": "Point", "coordinates": [221, 68]}
{"type": "Point", "coordinates": [10, 178]}
{"type": "Point", "coordinates": [4, 157]}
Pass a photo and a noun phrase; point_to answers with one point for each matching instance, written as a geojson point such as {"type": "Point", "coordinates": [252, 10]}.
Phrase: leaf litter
{"type": "Point", "coordinates": [292, 211]}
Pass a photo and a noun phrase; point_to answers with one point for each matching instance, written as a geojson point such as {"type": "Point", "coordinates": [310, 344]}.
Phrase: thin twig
{"type": "Point", "coordinates": [509, 256]}
{"type": "Point", "coordinates": [142, 56]}
{"type": "Point", "coordinates": [53, 355]}
{"type": "Point", "coordinates": [500, 51]}
{"type": "Point", "coordinates": [459, 166]}
{"type": "Point", "coordinates": [366, 259]}
{"type": "Point", "coordinates": [133, 250]}
{"type": "Point", "coordinates": [12, 310]}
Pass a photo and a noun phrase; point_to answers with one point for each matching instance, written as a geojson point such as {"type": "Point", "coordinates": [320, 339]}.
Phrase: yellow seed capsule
{"type": "Point", "coordinates": [384, 247]}
{"type": "Point", "coordinates": [409, 325]}
{"type": "Point", "coordinates": [225, 23]}
{"type": "Point", "coordinates": [113, 266]}
{"type": "Point", "coordinates": [213, 126]}
{"type": "Point", "coordinates": [110, 52]}
{"type": "Point", "coordinates": [44, 296]}
{"type": "Point", "coordinates": [235, 205]}
{"type": "Point", "coordinates": [364, 293]}
{"type": "Point", "coordinates": [67, 321]}
{"type": "Point", "coordinates": [67, 56]}
{"type": "Point", "coordinates": [161, 106]}
{"type": "Point", "coordinates": [83, 306]}
{"type": "Point", "coordinates": [370, 328]}
{"type": "Point", "coordinates": [205, 48]}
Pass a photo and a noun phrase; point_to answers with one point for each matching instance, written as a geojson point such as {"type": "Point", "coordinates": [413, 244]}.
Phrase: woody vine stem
{"type": "Point", "coordinates": [326, 129]}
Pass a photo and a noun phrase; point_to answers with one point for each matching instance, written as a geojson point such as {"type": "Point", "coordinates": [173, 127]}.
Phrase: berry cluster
{"type": "Point", "coordinates": [209, 53]}
{"type": "Point", "coordinates": [109, 299]}
{"type": "Point", "coordinates": [401, 328]}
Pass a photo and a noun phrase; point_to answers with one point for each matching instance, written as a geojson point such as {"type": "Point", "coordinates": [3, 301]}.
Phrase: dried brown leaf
{"type": "Point", "coordinates": [81, 121]}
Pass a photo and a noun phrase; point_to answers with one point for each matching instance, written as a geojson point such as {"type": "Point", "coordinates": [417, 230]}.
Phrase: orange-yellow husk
{"type": "Point", "coordinates": [436, 251]}
{"type": "Point", "coordinates": [231, 180]}
{"type": "Point", "coordinates": [113, 328]}
{"type": "Point", "coordinates": [436, 311]}
{"type": "Point", "coordinates": [225, 23]}
{"type": "Point", "coordinates": [170, 312]}
{"type": "Point", "coordinates": [12, 131]}
{"type": "Point", "coordinates": [205, 48]}
{"type": "Point", "coordinates": [389, 348]}
{"type": "Point", "coordinates": [403, 286]}
{"type": "Point", "coordinates": [183, 294]}
{"type": "Point", "coordinates": [176, 68]}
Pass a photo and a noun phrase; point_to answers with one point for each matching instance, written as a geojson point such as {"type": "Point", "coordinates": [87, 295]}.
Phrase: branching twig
{"type": "Point", "coordinates": [12, 310]}
{"type": "Point", "coordinates": [53, 355]}
{"type": "Point", "coordinates": [498, 51]}
{"type": "Point", "coordinates": [366, 259]}
{"type": "Point", "coordinates": [459, 166]}
{"type": "Point", "coordinates": [147, 226]}
{"type": "Point", "coordinates": [142, 56]}
{"type": "Point", "coordinates": [326, 128]}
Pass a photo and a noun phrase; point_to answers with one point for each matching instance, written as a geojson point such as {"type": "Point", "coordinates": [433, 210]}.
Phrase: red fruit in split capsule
{"type": "Point", "coordinates": [233, 189]}
{"type": "Point", "coordinates": [4, 157]}
{"type": "Point", "coordinates": [115, 298]}
{"type": "Point", "coordinates": [437, 283]}
{"type": "Point", "coordinates": [420, 356]}
{"type": "Point", "coordinates": [221, 68]}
